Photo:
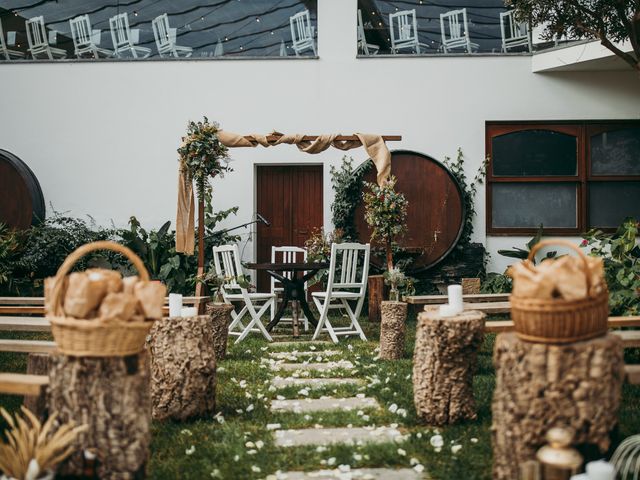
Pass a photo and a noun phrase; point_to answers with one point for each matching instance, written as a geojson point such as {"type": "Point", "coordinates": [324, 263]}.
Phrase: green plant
{"type": "Point", "coordinates": [386, 214]}
{"type": "Point", "coordinates": [202, 155]}
{"type": "Point", "coordinates": [497, 283]}
{"type": "Point", "coordinates": [347, 186]}
{"type": "Point", "coordinates": [9, 250]}
{"type": "Point", "coordinates": [399, 283]}
{"type": "Point", "coordinates": [523, 254]}
{"type": "Point", "coordinates": [469, 191]}
{"type": "Point", "coordinates": [621, 257]}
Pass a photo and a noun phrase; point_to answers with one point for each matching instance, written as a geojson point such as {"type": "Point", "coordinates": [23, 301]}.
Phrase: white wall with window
{"type": "Point", "coordinates": [102, 136]}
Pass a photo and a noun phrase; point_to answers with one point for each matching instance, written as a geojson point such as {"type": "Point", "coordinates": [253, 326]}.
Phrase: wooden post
{"type": "Point", "coordinates": [444, 362]}
{"type": "Point", "coordinates": [540, 386]}
{"type": "Point", "coordinates": [392, 330]}
{"type": "Point", "coordinates": [200, 287]}
{"type": "Point", "coordinates": [220, 314]}
{"type": "Point", "coordinates": [37, 364]}
{"type": "Point", "coordinates": [111, 396]}
{"type": "Point", "coordinates": [377, 293]}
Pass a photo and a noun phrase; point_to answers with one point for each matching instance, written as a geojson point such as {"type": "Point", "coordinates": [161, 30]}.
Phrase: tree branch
{"type": "Point", "coordinates": [629, 26]}
{"type": "Point", "coordinates": [624, 55]}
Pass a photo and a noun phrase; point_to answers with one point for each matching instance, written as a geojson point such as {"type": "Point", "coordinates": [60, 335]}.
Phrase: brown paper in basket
{"type": "Point", "coordinates": [150, 297]}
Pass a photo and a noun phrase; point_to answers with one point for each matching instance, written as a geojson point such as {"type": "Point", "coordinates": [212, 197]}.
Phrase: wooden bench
{"type": "Point", "coordinates": [27, 346]}
{"type": "Point", "coordinates": [633, 374]}
{"type": "Point", "coordinates": [22, 384]}
{"type": "Point", "coordinates": [440, 299]}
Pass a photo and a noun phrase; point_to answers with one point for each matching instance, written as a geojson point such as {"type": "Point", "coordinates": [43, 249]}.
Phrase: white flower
{"type": "Point", "coordinates": [304, 392]}
{"type": "Point", "coordinates": [357, 457]}
{"type": "Point", "coordinates": [331, 461]}
{"type": "Point", "coordinates": [437, 449]}
{"type": "Point", "coordinates": [474, 440]}
{"type": "Point", "coordinates": [243, 384]}
{"type": "Point", "coordinates": [393, 408]}
{"type": "Point", "coordinates": [436, 441]}
{"type": "Point", "coordinates": [272, 388]}
{"type": "Point", "coordinates": [239, 411]}
{"type": "Point", "coordinates": [236, 458]}
{"type": "Point", "coordinates": [186, 432]}
{"type": "Point", "coordinates": [215, 473]}
{"type": "Point", "coordinates": [255, 469]}
{"type": "Point", "coordinates": [344, 468]}
{"type": "Point", "coordinates": [190, 450]}
{"type": "Point", "coordinates": [419, 435]}
{"type": "Point", "coordinates": [456, 448]}
{"type": "Point", "coordinates": [259, 444]}
{"type": "Point", "coordinates": [307, 417]}
{"type": "Point", "coordinates": [250, 445]}
{"type": "Point", "coordinates": [250, 407]}
{"type": "Point", "coordinates": [366, 418]}
{"type": "Point", "coordinates": [402, 452]}
{"type": "Point", "coordinates": [414, 461]}
{"type": "Point", "coordinates": [251, 452]}
{"type": "Point", "coordinates": [312, 347]}
{"type": "Point", "coordinates": [350, 347]}
{"type": "Point", "coordinates": [419, 468]}
{"type": "Point", "coordinates": [279, 397]}
{"type": "Point", "coordinates": [402, 412]}
{"type": "Point", "coordinates": [218, 416]}
{"type": "Point", "coordinates": [321, 449]}
{"type": "Point", "coordinates": [220, 370]}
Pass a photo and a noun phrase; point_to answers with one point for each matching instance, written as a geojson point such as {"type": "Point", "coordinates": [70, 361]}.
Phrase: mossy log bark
{"type": "Point", "coordinates": [111, 396]}
{"type": "Point", "coordinates": [183, 367]}
{"type": "Point", "coordinates": [220, 314]}
{"type": "Point", "coordinates": [392, 330]}
{"type": "Point", "coordinates": [540, 386]}
{"type": "Point", "coordinates": [444, 362]}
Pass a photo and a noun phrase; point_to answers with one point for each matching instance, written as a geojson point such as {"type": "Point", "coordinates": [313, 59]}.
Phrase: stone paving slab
{"type": "Point", "coordinates": [319, 404]}
{"type": "Point", "coordinates": [280, 382]}
{"type": "Point", "coordinates": [355, 474]}
{"type": "Point", "coordinates": [328, 436]}
{"type": "Point", "coordinates": [297, 354]}
{"type": "Point", "coordinates": [318, 367]}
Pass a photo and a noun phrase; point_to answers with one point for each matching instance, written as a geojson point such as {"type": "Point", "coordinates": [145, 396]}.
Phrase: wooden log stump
{"type": "Point", "coordinates": [541, 386]}
{"type": "Point", "coordinates": [444, 362]}
{"type": "Point", "coordinates": [37, 364]}
{"type": "Point", "coordinates": [220, 314]}
{"type": "Point", "coordinates": [111, 396]}
{"type": "Point", "coordinates": [378, 291]}
{"type": "Point", "coordinates": [183, 367]}
{"type": "Point", "coordinates": [392, 330]}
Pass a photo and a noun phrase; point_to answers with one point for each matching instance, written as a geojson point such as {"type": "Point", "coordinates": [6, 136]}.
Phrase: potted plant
{"type": "Point", "coordinates": [386, 214]}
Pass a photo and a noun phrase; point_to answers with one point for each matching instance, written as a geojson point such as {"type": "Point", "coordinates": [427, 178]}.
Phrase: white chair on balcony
{"type": "Point", "coordinates": [454, 29]}
{"type": "Point", "coordinates": [123, 44]}
{"type": "Point", "coordinates": [302, 33]}
{"type": "Point", "coordinates": [5, 52]}
{"type": "Point", "coordinates": [85, 39]}
{"type": "Point", "coordinates": [514, 33]}
{"type": "Point", "coordinates": [37, 40]}
{"type": "Point", "coordinates": [226, 260]}
{"type": "Point", "coordinates": [166, 39]}
{"type": "Point", "coordinates": [347, 282]}
{"type": "Point", "coordinates": [363, 46]}
{"type": "Point", "coordinates": [403, 27]}
{"type": "Point", "coordinates": [286, 255]}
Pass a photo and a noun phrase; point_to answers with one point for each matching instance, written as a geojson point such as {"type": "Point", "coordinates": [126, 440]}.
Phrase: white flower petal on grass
{"type": "Point", "coordinates": [331, 461]}
{"type": "Point", "coordinates": [312, 347]}
{"type": "Point", "coordinates": [190, 450]}
{"type": "Point", "coordinates": [259, 444]}
{"type": "Point", "coordinates": [250, 407]}
{"type": "Point", "coordinates": [419, 435]}
{"type": "Point", "coordinates": [393, 408]}
{"type": "Point", "coordinates": [255, 469]}
{"type": "Point", "coordinates": [186, 431]}
{"type": "Point", "coordinates": [250, 445]}
{"type": "Point", "coordinates": [220, 370]}
{"type": "Point", "coordinates": [251, 452]}
{"type": "Point", "coordinates": [357, 457]}
{"type": "Point", "coordinates": [344, 468]}
{"type": "Point", "coordinates": [243, 384]}
{"type": "Point", "coordinates": [350, 347]}
{"type": "Point", "coordinates": [437, 449]}
{"type": "Point", "coordinates": [414, 461]}
{"type": "Point", "coordinates": [402, 452]}
{"type": "Point", "coordinates": [304, 392]}
{"type": "Point", "coordinates": [436, 441]}
{"type": "Point", "coordinates": [215, 473]}
{"type": "Point", "coordinates": [474, 440]}
{"type": "Point", "coordinates": [273, 426]}
{"type": "Point", "coordinates": [419, 468]}
{"type": "Point", "coordinates": [239, 411]}
{"type": "Point", "coordinates": [321, 449]}
{"type": "Point", "coordinates": [219, 418]}
{"type": "Point", "coordinates": [236, 458]}
{"type": "Point", "coordinates": [279, 397]}
{"type": "Point", "coordinates": [456, 448]}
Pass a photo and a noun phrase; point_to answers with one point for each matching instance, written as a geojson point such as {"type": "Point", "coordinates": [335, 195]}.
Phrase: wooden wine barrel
{"type": "Point", "coordinates": [21, 199]}
{"type": "Point", "coordinates": [436, 209]}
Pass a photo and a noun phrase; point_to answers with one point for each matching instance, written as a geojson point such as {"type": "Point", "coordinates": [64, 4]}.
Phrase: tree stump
{"type": "Point", "coordinates": [444, 362]}
{"type": "Point", "coordinates": [392, 330]}
{"type": "Point", "coordinates": [541, 386]}
{"type": "Point", "coordinates": [37, 364]}
{"type": "Point", "coordinates": [111, 396]}
{"type": "Point", "coordinates": [183, 367]}
{"type": "Point", "coordinates": [377, 293]}
{"type": "Point", "coordinates": [220, 314]}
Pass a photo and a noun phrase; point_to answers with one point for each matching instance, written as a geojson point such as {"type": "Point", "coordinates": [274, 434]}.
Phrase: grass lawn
{"type": "Point", "coordinates": [237, 444]}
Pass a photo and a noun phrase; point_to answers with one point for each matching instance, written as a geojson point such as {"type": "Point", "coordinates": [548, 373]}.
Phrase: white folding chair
{"type": "Point", "coordinates": [5, 51]}
{"type": "Point", "coordinates": [403, 27]}
{"type": "Point", "coordinates": [514, 33]}
{"type": "Point", "coordinates": [38, 42]}
{"type": "Point", "coordinates": [166, 39]}
{"type": "Point", "coordinates": [347, 282]}
{"type": "Point", "coordinates": [302, 33]}
{"type": "Point", "coordinates": [85, 39]}
{"type": "Point", "coordinates": [454, 29]}
{"type": "Point", "coordinates": [366, 48]}
{"type": "Point", "coordinates": [286, 255]}
{"type": "Point", "coordinates": [226, 260]}
{"type": "Point", "coordinates": [121, 38]}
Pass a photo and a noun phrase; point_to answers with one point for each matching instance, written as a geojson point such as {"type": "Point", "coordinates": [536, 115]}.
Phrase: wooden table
{"type": "Point", "coordinates": [293, 288]}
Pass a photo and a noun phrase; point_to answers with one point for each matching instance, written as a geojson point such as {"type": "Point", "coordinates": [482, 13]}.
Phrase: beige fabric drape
{"type": "Point", "coordinates": [374, 145]}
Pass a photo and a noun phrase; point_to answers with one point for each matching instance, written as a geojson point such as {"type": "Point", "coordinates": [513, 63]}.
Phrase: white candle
{"type": "Point", "coordinates": [455, 297]}
{"type": "Point", "coordinates": [447, 310]}
{"type": "Point", "coordinates": [600, 470]}
{"type": "Point", "coordinates": [188, 312]}
{"type": "Point", "coordinates": [175, 305]}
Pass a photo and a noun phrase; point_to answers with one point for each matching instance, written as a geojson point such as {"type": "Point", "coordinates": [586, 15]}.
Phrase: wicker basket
{"type": "Point", "coordinates": [95, 337]}
{"type": "Point", "coordinates": [560, 321]}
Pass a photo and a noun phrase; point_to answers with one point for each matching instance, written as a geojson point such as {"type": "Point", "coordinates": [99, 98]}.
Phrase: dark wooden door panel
{"type": "Point", "coordinates": [290, 198]}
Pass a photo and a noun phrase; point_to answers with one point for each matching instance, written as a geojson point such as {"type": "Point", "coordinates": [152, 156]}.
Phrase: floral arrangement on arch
{"type": "Point", "coordinates": [202, 155]}
{"type": "Point", "coordinates": [385, 211]}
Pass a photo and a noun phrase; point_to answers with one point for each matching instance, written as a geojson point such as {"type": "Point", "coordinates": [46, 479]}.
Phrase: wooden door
{"type": "Point", "coordinates": [290, 198]}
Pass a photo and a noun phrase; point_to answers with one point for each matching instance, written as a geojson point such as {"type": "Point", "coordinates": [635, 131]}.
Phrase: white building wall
{"type": "Point", "coordinates": [102, 136]}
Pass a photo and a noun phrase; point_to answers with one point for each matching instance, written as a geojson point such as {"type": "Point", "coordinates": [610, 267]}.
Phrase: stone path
{"type": "Point", "coordinates": [280, 382]}
{"type": "Point", "coordinates": [327, 436]}
{"type": "Point", "coordinates": [355, 474]}
{"type": "Point", "coordinates": [320, 436]}
{"type": "Point", "coordinates": [305, 405]}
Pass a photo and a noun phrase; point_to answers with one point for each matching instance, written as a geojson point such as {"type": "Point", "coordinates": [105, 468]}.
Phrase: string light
{"type": "Point", "coordinates": [135, 13]}
{"type": "Point", "coordinates": [258, 19]}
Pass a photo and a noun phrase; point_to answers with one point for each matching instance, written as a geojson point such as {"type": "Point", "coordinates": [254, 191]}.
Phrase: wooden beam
{"type": "Point", "coordinates": [22, 384]}
{"type": "Point", "coordinates": [440, 299]}
{"type": "Point", "coordinates": [21, 300]}
{"type": "Point", "coordinates": [490, 308]}
{"type": "Point", "coordinates": [630, 338]}
{"type": "Point", "coordinates": [21, 309]}
{"type": "Point", "coordinates": [633, 374]}
{"type": "Point", "coordinates": [27, 346]}
{"type": "Point", "coordinates": [340, 138]}
{"type": "Point", "coordinates": [24, 324]}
